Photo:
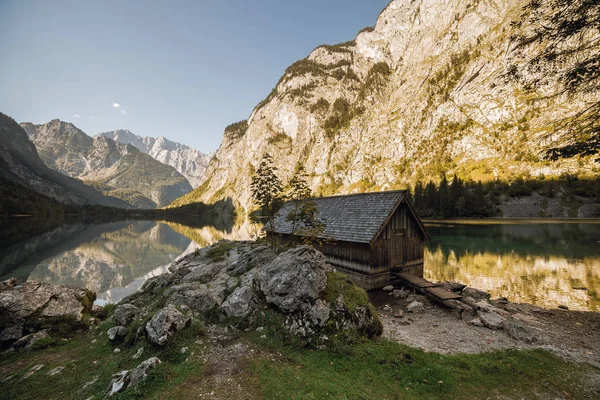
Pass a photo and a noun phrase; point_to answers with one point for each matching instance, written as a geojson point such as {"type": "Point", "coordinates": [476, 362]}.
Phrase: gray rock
{"type": "Point", "coordinates": [388, 288]}
{"type": "Point", "coordinates": [203, 297]}
{"type": "Point", "coordinates": [519, 330]}
{"type": "Point", "coordinates": [398, 313]}
{"type": "Point", "coordinates": [11, 333]}
{"type": "Point", "coordinates": [164, 324]}
{"type": "Point", "coordinates": [563, 307]}
{"type": "Point", "coordinates": [387, 308]}
{"type": "Point", "coordinates": [28, 341]}
{"type": "Point", "coordinates": [294, 280]}
{"type": "Point", "coordinates": [125, 314]}
{"type": "Point", "coordinates": [32, 371]}
{"type": "Point", "coordinates": [130, 379]}
{"type": "Point", "coordinates": [319, 314]}
{"type": "Point", "coordinates": [491, 320]}
{"type": "Point", "coordinates": [400, 294]}
{"type": "Point", "coordinates": [453, 286]}
{"type": "Point", "coordinates": [475, 294]}
{"type": "Point", "coordinates": [415, 306]}
{"type": "Point", "coordinates": [56, 371]}
{"type": "Point", "coordinates": [240, 303]}
{"type": "Point", "coordinates": [140, 373]}
{"type": "Point", "coordinates": [244, 258]}
{"type": "Point", "coordinates": [138, 353]}
{"type": "Point", "coordinates": [39, 301]}
{"type": "Point", "coordinates": [116, 333]}
{"type": "Point", "coordinates": [477, 322]}
{"type": "Point", "coordinates": [117, 350]}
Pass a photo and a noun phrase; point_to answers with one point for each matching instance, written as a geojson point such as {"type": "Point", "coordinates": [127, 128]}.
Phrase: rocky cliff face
{"type": "Point", "coordinates": [189, 162]}
{"type": "Point", "coordinates": [22, 169]}
{"type": "Point", "coordinates": [424, 92]}
{"type": "Point", "coordinates": [118, 170]}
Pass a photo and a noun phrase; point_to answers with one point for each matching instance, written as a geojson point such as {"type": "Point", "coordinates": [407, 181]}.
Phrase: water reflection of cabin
{"type": "Point", "coordinates": [367, 236]}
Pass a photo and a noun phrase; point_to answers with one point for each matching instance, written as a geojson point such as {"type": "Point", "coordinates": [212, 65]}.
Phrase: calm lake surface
{"type": "Point", "coordinates": [544, 263]}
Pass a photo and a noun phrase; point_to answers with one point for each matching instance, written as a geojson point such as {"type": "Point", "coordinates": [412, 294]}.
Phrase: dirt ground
{"type": "Point", "coordinates": [573, 335]}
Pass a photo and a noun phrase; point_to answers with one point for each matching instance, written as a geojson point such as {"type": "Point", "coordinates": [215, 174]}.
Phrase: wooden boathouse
{"type": "Point", "coordinates": [368, 236]}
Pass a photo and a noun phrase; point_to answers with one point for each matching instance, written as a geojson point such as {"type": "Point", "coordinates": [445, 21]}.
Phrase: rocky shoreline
{"type": "Point", "coordinates": [497, 324]}
{"type": "Point", "coordinates": [294, 296]}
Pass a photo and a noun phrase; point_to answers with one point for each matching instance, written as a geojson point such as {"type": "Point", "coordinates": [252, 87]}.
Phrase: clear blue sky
{"type": "Point", "coordinates": [180, 69]}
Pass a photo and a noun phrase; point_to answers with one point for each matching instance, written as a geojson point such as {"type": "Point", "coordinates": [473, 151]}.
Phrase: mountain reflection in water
{"type": "Point", "coordinates": [547, 264]}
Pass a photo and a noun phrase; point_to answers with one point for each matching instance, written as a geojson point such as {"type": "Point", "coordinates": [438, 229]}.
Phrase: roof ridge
{"type": "Point", "coordinates": [357, 194]}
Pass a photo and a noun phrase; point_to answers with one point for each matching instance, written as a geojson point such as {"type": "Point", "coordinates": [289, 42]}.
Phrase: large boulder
{"type": "Point", "coordinates": [491, 320]}
{"type": "Point", "coordinates": [40, 305]}
{"type": "Point", "coordinates": [116, 333]}
{"type": "Point", "coordinates": [165, 323]}
{"type": "Point", "coordinates": [125, 314]}
{"type": "Point", "coordinates": [240, 303]}
{"type": "Point", "coordinates": [521, 327]}
{"type": "Point", "coordinates": [294, 280]}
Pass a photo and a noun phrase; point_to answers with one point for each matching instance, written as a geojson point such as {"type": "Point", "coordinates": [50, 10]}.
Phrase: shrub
{"type": "Point", "coordinates": [236, 130]}
{"type": "Point", "coordinates": [376, 78]}
{"type": "Point", "coordinates": [343, 114]}
{"type": "Point", "coordinates": [320, 105]}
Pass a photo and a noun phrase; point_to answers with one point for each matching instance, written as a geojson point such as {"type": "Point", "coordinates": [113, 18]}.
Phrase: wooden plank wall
{"type": "Point", "coordinates": [401, 242]}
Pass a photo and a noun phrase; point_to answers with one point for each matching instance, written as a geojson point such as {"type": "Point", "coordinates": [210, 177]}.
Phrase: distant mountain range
{"type": "Point", "coordinates": [189, 162]}
{"type": "Point", "coordinates": [26, 183]}
{"type": "Point", "coordinates": [116, 169]}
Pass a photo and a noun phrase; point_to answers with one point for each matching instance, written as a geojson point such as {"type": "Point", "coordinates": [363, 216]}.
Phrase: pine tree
{"type": "Point", "coordinates": [430, 200]}
{"type": "Point", "coordinates": [266, 190]}
{"type": "Point", "coordinates": [445, 205]}
{"type": "Point", "coordinates": [418, 197]}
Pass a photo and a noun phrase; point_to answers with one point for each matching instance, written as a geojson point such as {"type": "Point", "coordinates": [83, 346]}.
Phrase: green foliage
{"type": "Point", "coordinates": [236, 130]}
{"type": "Point", "coordinates": [266, 190]}
{"type": "Point", "coordinates": [352, 295]}
{"type": "Point", "coordinates": [303, 214]}
{"type": "Point", "coordinates": [340, 47]}
{"type": "Point", "coordinates": [340, 119]}
{"type": "Point", "coordinates": [376, 79]}
{"type": "Point", "coordinates": [322, 105]}
{"type": "Point", "coordinates": [445, 79]}
{"type": "Point", "coordinates": [458, 199]}
{"type": "Point", "coordinates": [366, 29]}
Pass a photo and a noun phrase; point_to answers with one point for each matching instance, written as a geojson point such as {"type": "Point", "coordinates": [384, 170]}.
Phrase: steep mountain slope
{"type": "Point", "coordinates": [116, 169]}
{"type": "Point", "coordinates": [427, 91]}
{"type": "Point", "coordinates": [22, 170]}
{"type": "Point", "coordinates": [189, 162]}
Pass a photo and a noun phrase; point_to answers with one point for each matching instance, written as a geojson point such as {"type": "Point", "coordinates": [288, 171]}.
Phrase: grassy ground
{"type": "Point", "coordinates": [369, 370]}
{"type": "Point", "coordinates": [386, 370]}
{"type": "Point", "coordinates": [90, 361]}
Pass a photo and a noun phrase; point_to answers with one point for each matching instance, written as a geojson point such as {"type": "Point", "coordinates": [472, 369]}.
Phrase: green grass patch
{"type": "Point", "coordinates": [90, 359]}
{"type": "Point", "coordinates": [339, 285]}
{"type": "Point", "coordinates": [387, 370]}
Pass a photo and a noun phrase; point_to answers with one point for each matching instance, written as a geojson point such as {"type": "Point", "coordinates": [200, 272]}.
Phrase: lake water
{"type": "Point", "coordinates": [544, 263]}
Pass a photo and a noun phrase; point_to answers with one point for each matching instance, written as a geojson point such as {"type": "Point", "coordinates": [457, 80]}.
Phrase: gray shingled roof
{"type": "Point", "coordinates": [351, 218]}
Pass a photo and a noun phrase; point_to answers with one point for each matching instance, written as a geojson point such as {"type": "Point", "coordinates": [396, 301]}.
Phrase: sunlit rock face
{"type": "Point", "coordinates": [189, 162]}
{"type": "Point", "coordinates": [446, 106]}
